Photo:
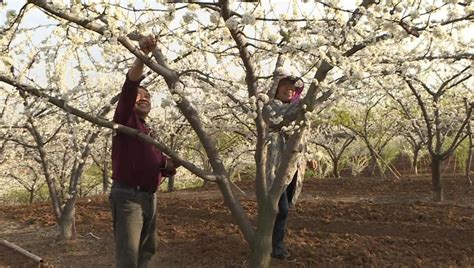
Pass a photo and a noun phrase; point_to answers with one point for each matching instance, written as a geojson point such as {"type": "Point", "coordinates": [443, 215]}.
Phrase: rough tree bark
{"type": "Point", "coordinates": [470, 146]}
{"type": "Point", "coordinates": [436, 178]}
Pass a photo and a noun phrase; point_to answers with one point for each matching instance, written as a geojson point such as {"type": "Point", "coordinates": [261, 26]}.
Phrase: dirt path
{"type": "Point", "coordinates": [15, 232]}
{"type": "Point", "coordinates": [359, 222]}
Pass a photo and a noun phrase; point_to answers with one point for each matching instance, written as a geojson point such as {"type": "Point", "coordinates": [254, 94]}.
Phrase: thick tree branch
{"type": "Point", "coordinates": [459, 137]}
{"type": "Point", "coordinates": [426, 117]}
{"type": "Point", "coordinates": [108, 124]}
{"type": "Point", "coordinates": [251, 81]}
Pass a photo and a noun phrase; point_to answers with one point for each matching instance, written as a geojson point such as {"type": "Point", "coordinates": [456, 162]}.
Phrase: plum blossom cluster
{"type": "Point", "coordinates": [248, 19]}
{"type": "Point", "coordinates": [232, 23]}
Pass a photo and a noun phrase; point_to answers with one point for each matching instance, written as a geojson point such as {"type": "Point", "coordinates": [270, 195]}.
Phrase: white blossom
{"type": "Point", "coordinates": [193, 7]}
{"type": "Point", "coordinates": [415, 13]}
{"type": "Point", "coordinates": [232, 23]}
{"type": "Point", "coordinates": [178, 89]}
{"type": "Point", "coordinates": [176, 98]}
{"type": "Point", "coordinates": [7, 60]}
{"type": "Point", "coordinates": [248, 19]}
{"type": "Point", "coordinates": [276, 120]}
{"type": "Point", "coordinates": [263, 97]}
{"type": "Point", "coordinates": [299, 83]}
{"type": "Point", "coordinates": [469, 8]}
{"type": "Point", "coordinates": [439, 32]}
{"type": "Point", "coordinates": [358, 75]}
{"type": "Point", "coordinates": [11, 15]}
{"type": "Point", "coordinates": [430, 8]}
{"type": "Point", "coordinates": [273, 38]}
{"type": "Point", "coordinates": [411, 72]}
{"type": "Point", "coordinates": [188, 17]}
{"type": "Point", "coordinates": [253, 100]}
{"type": "Point", "coordinates": [170, 16]}
{"type": "Point", "coordinates": [107, 34]}
{"type": "Point", "coordinates": [166, 103]}
{"type": "Point", "coordinates": [215, 17]}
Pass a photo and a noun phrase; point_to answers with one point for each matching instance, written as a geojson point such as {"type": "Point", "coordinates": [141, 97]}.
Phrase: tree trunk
{"type": "Point", "coordinates": [32, 196]}
{"type": "Point", "coordinates": [105, 178]}
{"type": "Point", "coordinates": [468, 164]}
{"type": "Point", "coordinates": [170, 184]}
{"type": "Point", "coordinates": [261, 247]}
{"type": "Point", "coordinates": [66, 222]}
{"type": "Point", "coordinates": [416, 153]}
{"type": "Point", "coordinates": [454, 165]}
{"type": "Point", "coordinates": [335, 170]}
{"type": "Point", "coordinates": [436, 178]}
{"type": "Point", "coordinates": [371, 167]}
{"type": "Point", "coordinates": [105, 174]}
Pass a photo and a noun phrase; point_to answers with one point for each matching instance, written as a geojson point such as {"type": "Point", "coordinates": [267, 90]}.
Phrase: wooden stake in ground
{"type": "Point", "coordinates": [21, 251]}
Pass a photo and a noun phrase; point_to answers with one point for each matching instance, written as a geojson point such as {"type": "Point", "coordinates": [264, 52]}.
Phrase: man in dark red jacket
{"type": "Point", "coordinates": [138, 168]}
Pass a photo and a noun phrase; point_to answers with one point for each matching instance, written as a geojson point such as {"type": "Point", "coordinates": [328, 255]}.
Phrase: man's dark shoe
{"type": "Point", "coordinates": [284, 256]}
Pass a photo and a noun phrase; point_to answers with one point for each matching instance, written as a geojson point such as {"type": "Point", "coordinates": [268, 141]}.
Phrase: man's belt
{"type": "Point", "coordinates": [122, 185]}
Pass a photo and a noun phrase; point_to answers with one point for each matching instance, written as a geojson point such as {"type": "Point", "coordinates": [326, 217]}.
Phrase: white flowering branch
{"type": "Point", "coordinates": [15, 23]}
{"type": "Point", "coordinates": [170, 77]}
{"type": "Point", "coordinates": [251, 81]}
{"type": "Point", "coordinates": [108, 124]}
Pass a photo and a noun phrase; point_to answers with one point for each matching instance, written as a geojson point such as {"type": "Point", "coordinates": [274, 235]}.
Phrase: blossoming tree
{"type": "Point", "coordinates": [235, 49]}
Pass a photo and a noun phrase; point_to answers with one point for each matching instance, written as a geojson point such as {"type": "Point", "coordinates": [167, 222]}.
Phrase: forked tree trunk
{"type": "Point", "coordinates": [436, 178]}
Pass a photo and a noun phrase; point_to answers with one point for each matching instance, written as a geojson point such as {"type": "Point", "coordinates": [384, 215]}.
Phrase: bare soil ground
{"type": "Point", "coordinates": [337, 222]}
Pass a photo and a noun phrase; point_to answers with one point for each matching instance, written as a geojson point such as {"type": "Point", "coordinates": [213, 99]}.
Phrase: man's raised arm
{"type": "Point", "coordinates": [130, 88]}
{"type": "Point", "coordinates": [147, 44]}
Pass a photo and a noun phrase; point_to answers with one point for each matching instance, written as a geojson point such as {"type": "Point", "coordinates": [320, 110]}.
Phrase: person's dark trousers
{"type": "Point", "coordinates": [282, 217]}
{"type": "Point", "coordinates": [134, 218]}
{"type": "Point", "coordinates": [280, 225]}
